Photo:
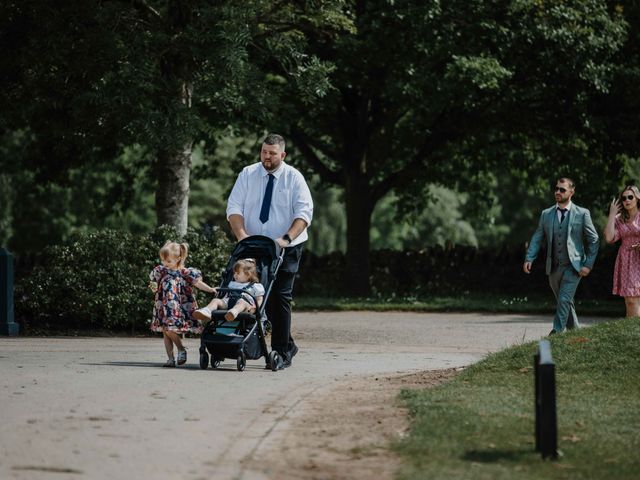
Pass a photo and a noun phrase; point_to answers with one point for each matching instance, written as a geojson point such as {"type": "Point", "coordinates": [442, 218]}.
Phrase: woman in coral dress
{"type": "Point", "coordinates": [624, 224]}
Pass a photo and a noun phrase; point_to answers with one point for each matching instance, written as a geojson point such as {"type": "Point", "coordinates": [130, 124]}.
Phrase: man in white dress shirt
{"type": "Point", "coordinates": [272, 198]}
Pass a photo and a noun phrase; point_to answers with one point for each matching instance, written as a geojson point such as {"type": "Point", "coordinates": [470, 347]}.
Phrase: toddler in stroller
{"type": "Point", "coordinates": [244, 295]}
{"type": "Point", "coordinates": [237, 318]}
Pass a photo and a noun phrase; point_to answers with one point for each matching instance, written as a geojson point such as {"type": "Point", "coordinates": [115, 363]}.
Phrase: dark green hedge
{"type": "Point", "coordinates": [99, 280]}
{"type": "Point", "coordinates": [441, 271]}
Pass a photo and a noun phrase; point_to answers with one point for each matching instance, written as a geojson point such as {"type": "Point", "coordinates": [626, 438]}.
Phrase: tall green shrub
{"type": "Point", "coordinates": [99, 280]}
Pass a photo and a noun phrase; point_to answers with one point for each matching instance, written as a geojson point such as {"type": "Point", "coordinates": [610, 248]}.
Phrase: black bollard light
{"type": "Point", "coordinates": [545, 397]}
{"type": "Point", "coordinates": [7, 325]}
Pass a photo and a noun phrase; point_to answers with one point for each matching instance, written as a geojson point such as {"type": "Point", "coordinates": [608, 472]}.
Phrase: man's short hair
{"type": "Point", "coordinates": [568, 180]}
{"type": "Point", "coordinates": [275, 139]}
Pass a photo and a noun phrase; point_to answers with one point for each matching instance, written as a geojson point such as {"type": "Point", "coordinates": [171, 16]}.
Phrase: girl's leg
{"type": "Point", "coordinates": [204, 314]}
{"type": "Point", "coordinates": [182, 352]}
{"type": "Point", "coordinates": [217, 304]}
{"type": "Point", "coordinates": [633, 306]}
{"type": "Point", "coordinates": [168, 344]}
{"type": "Point", "coordinates": [175, 338]}
{"type": "Point", "coordinates": [240, 306]}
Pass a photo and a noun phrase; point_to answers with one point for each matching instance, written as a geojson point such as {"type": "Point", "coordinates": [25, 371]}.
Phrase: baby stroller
{"type": "Point", "coordinates": [244, 337]}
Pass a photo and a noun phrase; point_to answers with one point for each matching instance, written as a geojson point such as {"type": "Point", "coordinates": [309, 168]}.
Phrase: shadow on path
{"type": "Point", "coordinates": [230, 367]}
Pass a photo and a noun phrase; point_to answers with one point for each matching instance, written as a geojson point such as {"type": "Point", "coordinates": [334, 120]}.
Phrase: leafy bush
{"type": "Point", "coordinates": [100, 280]}
{"type": "Point", "coordinates": [456, 270]}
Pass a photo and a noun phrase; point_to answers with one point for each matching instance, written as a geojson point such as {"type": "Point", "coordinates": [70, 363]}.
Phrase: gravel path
{"type": "Point", "coordinates": [102, 408]}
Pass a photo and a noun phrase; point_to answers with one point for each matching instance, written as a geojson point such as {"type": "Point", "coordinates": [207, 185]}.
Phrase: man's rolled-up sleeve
{"type": "Point", "coordinates": [302, 201]}
{"type": "Point", "coordinates": [238, 195]}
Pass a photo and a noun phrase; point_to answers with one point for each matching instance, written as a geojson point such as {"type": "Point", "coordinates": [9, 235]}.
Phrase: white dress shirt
{"type": "Point", "coordinates": [290, 199]}
{"type": "Point", "coordinates": [559, 213]}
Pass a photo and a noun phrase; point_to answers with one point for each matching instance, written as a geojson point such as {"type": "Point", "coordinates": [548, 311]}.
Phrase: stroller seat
{"type": "Point", "coordinates": [244, 337]}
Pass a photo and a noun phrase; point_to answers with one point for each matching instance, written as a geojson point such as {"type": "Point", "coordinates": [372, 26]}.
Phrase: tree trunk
{"type": "Point", "coordinates": [359, 209]}
{"type": "Point", "coordinates": [6, 209]}
{"type": "Point", "coordinates": [172, 194]}
{"type": "Point", "coordinates": [174, 158]}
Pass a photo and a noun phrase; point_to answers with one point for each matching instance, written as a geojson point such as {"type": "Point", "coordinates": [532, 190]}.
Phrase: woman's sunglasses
{"type": "Point", "coordinates": [628, 197]}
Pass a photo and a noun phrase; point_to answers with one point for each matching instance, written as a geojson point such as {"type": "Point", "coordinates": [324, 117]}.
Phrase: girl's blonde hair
{"type": "Point", "coordinates": [248, 266]}
{"type": "Point", "coordinates": [179, 250]}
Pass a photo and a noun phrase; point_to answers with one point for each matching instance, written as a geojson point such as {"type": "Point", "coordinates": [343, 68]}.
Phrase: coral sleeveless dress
{"type": "Point", "coordinates": [626, 274]}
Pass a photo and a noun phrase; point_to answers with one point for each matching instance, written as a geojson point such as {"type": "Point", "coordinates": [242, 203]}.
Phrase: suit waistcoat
{"type": "Point", "coordinates": [559, 242]}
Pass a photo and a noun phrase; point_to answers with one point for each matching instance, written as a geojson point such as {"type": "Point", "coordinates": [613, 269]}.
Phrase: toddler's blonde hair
{"type": "Point", "coordinates": [248, 266]}
{"type": "Point", "coordinates": [179, 250]}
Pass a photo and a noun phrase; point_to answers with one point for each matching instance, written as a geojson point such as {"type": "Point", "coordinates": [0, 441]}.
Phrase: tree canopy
{"type": "Point", "coordinates": [444, 92]}
{"type": "Point", "coordinates": [394, 103]}
{"type": "Point", "coordinates": [85, 81]}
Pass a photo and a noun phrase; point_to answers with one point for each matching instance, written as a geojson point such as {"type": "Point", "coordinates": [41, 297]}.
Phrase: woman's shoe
{"type": "Point", "coordinates": [171, 363]}
{"type": "Point", "coordinates": [182, 357]}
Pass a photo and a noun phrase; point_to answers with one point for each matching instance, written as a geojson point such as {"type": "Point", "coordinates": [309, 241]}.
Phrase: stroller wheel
{"type": "Point", "coordinates": [242, 361]}
{"type": "Point", "coordinates": [215, 362]}
{"type": "Point", "coordinates": [204, 360]}
{"type": "Point", "coordinates": [274, 361]}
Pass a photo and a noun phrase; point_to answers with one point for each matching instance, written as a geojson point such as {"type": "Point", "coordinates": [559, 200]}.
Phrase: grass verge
{"type": "Point", "coordinates": [481, 424]}
{"type": "Point", "coordinates": [461, 303]}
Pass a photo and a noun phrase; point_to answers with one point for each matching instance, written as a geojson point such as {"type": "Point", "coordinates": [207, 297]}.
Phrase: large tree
{"type": "Point", "coordinates": [83, 80]}
{"type": "Point", "coordinates": [440, 92]}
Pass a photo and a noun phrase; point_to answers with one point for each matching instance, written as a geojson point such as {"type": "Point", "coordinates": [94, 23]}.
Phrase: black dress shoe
{"type": "Point", "coordinates": [280, 365]}
{"type": "Point", "coordinates": [286, 361]}
{"type": "Point", "coordinates": [552, 332]}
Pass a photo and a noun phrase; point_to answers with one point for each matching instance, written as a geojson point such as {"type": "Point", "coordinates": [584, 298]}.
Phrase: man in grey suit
{"type": "Point", "coordinates": [572, 245]}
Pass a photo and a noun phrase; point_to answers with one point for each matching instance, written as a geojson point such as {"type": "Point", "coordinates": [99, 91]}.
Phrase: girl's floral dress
{"type": "Point", "coordinates": [174, 303]}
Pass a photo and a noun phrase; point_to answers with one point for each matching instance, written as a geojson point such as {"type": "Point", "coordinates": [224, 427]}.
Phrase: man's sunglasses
{"type": "Point", "coordinates": [628, 197]}
{"type": "Point", "coordinates": [561, 189]}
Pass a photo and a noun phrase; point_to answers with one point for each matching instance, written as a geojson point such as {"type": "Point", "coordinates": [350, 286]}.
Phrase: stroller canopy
{"type": "Point", "coordinates": [266, 253]}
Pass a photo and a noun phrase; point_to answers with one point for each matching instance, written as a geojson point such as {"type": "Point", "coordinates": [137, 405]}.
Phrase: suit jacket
{"type": "Point", "coordinates": [582, 238]}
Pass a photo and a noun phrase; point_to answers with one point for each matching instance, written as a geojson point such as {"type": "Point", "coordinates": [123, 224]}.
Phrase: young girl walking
{"type": "Point", "coordinates": [174, 300]}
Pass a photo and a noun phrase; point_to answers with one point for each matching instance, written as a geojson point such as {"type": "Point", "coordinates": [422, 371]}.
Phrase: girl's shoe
{"type": "Point", "coordinates": [230, 316]}
{"type": "Point", "coordinates": [170, 363]}
{"type": "Point", "coordinates": [203, 314]}
{"type": "Point", "coordinates": [182, 357]}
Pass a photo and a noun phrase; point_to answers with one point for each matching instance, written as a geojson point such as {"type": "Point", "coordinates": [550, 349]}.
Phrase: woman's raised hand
{"type": "Point", "coordinates": [614, 208]}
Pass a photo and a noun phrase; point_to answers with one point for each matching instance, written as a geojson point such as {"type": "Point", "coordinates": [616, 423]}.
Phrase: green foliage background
{"type": "Point", "coordinates": [444, 122]}
{"type": "Point", "coordinates": [100, 280]}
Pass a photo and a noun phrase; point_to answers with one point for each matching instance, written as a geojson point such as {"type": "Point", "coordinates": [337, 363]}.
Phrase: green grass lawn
{"type": "Point", "coordinates": [462, 303]}
{"type": "Point", "coordinates": [481, 424]}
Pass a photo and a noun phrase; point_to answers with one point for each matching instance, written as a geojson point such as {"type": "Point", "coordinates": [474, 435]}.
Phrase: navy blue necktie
{"type": "Point", "coordinates": [266, 201]}
{"type": "Point", "coordinates": [563, 212]}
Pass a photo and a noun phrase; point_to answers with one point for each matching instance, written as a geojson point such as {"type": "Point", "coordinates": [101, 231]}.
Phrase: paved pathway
{"type": "Point", "coordinates": [102, 408]}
